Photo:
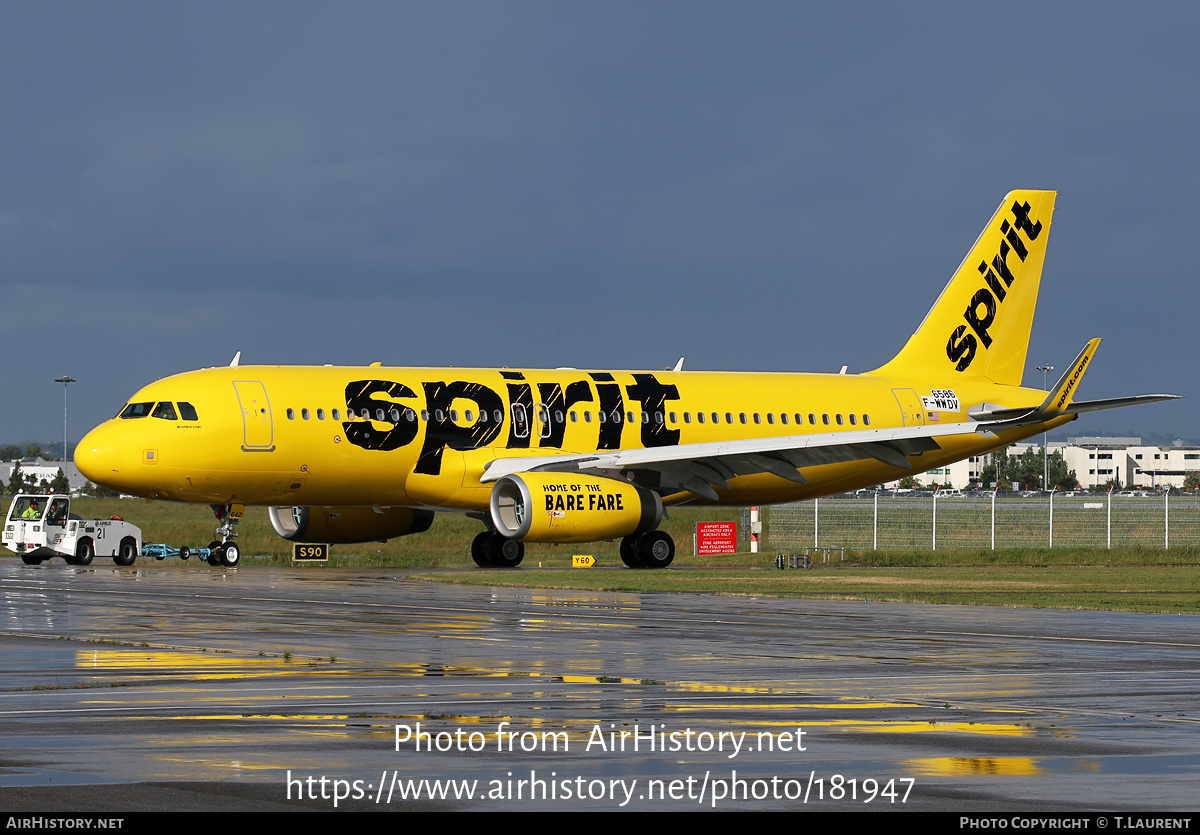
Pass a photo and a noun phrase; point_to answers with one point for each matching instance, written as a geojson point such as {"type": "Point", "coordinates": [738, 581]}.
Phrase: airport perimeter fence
{"type": "Point", "coordinates": [884, 521]}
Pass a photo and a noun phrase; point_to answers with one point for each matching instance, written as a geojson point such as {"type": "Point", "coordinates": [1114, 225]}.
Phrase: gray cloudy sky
{"type": "Point", "coordinates": [762, 186]}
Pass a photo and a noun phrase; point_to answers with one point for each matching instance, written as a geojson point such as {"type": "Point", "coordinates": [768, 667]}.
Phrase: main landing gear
{"type": "Point", "coordinates": [225, 551]}
{"type": "Point", "coordinates": [653, 549]}
{"type": "Point", "coordinates": [491, 550]}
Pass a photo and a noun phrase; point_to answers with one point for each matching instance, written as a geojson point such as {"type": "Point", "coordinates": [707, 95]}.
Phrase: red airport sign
{"type": "Point", "coordinates": [716, 537]}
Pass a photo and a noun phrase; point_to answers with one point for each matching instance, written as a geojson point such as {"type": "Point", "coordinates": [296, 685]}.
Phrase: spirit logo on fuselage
{"type": "Point", "coordinates": [998, 277]}
{"type": "Point", "coordinates": [387, 404]}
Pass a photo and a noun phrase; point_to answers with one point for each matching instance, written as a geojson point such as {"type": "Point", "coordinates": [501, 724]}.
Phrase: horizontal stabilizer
{"type": "Point", "coordinates": [1059, 400]}
{"type": "Point", "coordinates": [1116, 402]}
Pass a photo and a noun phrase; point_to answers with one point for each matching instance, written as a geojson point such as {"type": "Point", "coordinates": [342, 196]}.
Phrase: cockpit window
{"type": "Point", "coordinates": [166, 411]}
{"type": "Point", "coordinates": [137, 410]}
{"type": "Point", "coordinates": [187, 411]}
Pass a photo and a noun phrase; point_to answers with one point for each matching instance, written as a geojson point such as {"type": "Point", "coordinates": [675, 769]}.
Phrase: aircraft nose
{"type": "Point", "coordinates": [100, 456]}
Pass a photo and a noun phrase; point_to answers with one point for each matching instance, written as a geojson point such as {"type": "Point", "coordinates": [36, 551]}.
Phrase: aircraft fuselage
{"type": "Point", "coordinates": [270, 435]}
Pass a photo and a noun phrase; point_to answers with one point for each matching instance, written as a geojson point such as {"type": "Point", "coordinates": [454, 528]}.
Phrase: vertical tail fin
{"type": "Point", "coordinates": [980, 325]}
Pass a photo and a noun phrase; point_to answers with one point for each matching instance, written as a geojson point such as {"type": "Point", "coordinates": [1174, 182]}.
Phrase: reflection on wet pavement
{"type": "Point", "coordinates": [187, 675]}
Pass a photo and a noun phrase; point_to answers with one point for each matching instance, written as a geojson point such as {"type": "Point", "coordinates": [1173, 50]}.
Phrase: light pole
{"type": "Point", "coordinates": [1045, 369]}
{"type": "Point", "coordinates": [66, 381]}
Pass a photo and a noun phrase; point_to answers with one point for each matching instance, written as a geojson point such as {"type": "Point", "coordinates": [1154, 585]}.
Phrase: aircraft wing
{"type": "Point", "coordinates": [698, 468]}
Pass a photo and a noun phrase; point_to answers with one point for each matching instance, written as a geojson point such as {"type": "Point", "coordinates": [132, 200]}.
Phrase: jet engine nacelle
{"type": "Point", "coordinates": [565, 507]}
{"type": "Point", "coordinates": [345, 525]}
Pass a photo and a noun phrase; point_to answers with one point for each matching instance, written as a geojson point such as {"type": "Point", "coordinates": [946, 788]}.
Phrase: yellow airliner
{"type": "Point", "coordinates": [355, 454]}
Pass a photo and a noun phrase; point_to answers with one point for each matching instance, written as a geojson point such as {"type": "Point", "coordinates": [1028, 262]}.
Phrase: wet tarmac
{"type": "Point", "coordinates": [165, 687]}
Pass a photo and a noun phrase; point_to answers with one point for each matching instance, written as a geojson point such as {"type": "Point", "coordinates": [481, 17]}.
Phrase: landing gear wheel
{"type": "Point", "coordinates": [31, 560]}
{"type": "Point", "coordinates": [231, 555]}
{"type": "Point", "coordinates": [127, 553]}
{"type": "Point", "coordinates": [505, 553]}
{"type": "Point", "coordinates": [629, 554]}
{"type": "Point", "coordinates": [84, 552]}
{"type": "Point", "coordinates": [214, 552]}
{"type": "Point", "coordinates": [656, 549]}
{"type": "Point", "coordinates": [479, 550]}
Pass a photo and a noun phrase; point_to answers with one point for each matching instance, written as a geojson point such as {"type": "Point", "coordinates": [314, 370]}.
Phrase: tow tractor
{"type": "Point", "coordinates": [40, 527]}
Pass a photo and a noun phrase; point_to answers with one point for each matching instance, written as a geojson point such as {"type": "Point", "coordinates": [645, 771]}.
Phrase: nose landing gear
{"type": "Point", "coordinates": [225, 551]}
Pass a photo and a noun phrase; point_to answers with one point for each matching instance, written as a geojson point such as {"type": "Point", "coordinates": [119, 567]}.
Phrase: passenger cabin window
{"type": "Point", "coordinates": [304, 413]}
{"type": "Point", "coordinates": [166, 411]}
{"type": "Point", "coordinates": [137, 410]}
{"type": "Point", "coordinates": [291, 413]}
{"type": "Point", "coordinates": [187, 411]}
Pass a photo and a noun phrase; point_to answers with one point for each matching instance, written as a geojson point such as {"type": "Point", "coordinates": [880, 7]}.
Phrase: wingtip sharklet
{"type": "Point", "coordinates": [1063, 392]}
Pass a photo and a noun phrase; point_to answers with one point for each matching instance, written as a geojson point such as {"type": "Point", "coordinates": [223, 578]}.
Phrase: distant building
{"type": "Point", "coordinates": [1126, 460]}
{"type": "Point", "coordinates": [37, 469]}
{"type": "Point", "coordinates": [1095, 461]}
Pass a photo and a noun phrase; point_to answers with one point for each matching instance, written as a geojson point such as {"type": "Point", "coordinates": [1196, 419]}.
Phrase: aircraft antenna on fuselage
{"type": "Point", "coordinates": [236, 359]}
